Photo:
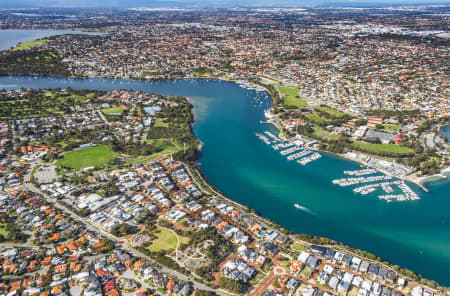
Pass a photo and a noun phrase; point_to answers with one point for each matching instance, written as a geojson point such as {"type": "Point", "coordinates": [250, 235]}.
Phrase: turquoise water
{"type": "Point", "coordinates": [10, 38]}
{"type": "Point", "coordinates": [413, 234]}
{"type": "Point", "coordinates": [445, 130]}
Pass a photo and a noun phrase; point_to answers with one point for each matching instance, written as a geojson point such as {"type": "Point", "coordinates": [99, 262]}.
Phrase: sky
{"type": "Point", "coordinates": [202, 3]}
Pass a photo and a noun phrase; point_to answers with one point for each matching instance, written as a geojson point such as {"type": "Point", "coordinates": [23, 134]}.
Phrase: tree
{"type": "Point", "coordinates": [204, 293]}
{"type": "Point", "coordinates": [123, 229]}
{"type": "Point", "coordinates": [232, 285]}
{"type": "Point", "coordinates": [275, 283]}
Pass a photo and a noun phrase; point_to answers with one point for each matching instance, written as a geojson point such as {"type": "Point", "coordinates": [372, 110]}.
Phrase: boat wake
{"type": "Point", "coordinates": [304, 209]}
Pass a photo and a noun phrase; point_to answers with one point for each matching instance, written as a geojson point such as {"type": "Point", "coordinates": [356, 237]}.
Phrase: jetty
{"type": "Point", "coordinates": [358, 180]}
{"type": "Point", "coordinates": [309, 159]}
{"type": "Point", "coordinates": [406, 192]}
{"type": "Point", "coordinates": [299, 155]}
{"type": "Point", "coordinates": [290, 150]}
{"type": "Point", "coordinates": [363, 172]}
{"type": "Point", "coordinates": [263, 138]}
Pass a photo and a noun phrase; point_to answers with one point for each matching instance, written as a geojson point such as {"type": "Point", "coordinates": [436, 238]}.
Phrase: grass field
{"type": "Point", "coordinates": [116, 111]}
{"type": "Point", "coordinates": [298, 247]}
{"type": "Point", "coordinates": [323, 134]}
{"type": "Point", "coordinates": [286, 264]}
{"type": "Point", "coordinates": [393, 128]}
{"type": "Point", "coordinates": [3, 230]}
{"type": "Point", "coordinates": [167, 146]}
{"type": "Point", "coordinates": [160, 122]}
{"type": "Point", "coordinates": [41, 104]}
{"type": "Point", "coordinates": [291, 96]}
{"type": "Point", "coordinates": [166, 240]}
{"type": "Point", "coordinates": [84, 158]}
{"type": "Point", "coordinates": [316, 118]}
{"type": "Point", "coordinates": [30, 44]}
{"type": "Point", "coordinates": [382, 148]}
{"type": "Point", "coordinates": [332, 112]}
{"type": "Point", "coordinates": [202, 73]}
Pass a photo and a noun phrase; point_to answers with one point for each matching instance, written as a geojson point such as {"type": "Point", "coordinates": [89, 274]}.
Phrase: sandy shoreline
{"type": "Point", "coordinates": [423, 179]}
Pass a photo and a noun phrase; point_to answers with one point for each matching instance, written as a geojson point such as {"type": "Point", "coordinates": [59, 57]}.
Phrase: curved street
{"type": "Point", "coordinates": [113, 238]}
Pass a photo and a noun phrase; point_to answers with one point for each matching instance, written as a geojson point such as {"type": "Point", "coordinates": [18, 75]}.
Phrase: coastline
{"type": "Point", "coordinates": [419, 181]}
{"type": "Point", "coordinates": [199, 178]}
{"type": "Point", "coordinates": [429, 178]}
{"type": "Point", "coordinates": [266, 219]}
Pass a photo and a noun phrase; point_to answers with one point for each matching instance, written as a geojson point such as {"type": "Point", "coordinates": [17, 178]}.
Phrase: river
{"type": "Point", "coordinates": [413, 234]}
{"type": "Point", "coordinates": [10, 38]}
{"type": "Point", "coordinates": [445, 130]}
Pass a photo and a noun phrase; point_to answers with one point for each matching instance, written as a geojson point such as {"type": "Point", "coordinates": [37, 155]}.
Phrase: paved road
{"type": "Point", "coordinates": [125, 245]}
{"type": "Point", "coordinates": [11, 245]}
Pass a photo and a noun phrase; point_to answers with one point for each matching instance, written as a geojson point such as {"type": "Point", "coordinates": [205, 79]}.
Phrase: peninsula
{"type": "Point", "coordinates": [101, 188]}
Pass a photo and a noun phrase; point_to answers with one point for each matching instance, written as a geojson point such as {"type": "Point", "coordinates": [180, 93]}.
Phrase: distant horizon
{"type": "Point", "coordinates": [26, 4]}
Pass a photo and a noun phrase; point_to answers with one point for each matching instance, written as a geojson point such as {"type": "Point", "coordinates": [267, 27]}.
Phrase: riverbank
{"type": "Point", "coordinates": [251, 174]}
{"type": "Point", "coordinates": [419, 181]}
{"type": "Point", "coordinates": [405, 178]}
{"type": "Point", "coordinates": [201, 181]}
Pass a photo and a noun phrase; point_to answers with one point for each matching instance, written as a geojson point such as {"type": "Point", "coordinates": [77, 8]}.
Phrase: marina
{"type": "Point", "coordinates": [290, 150]}
{"type": "Point", "coordinates": [282, 145]}
{"type": "Point", "coordinates": [359, 180]}
{"type": "Point", "coordinates": [361, 172]}
{"type": "Point", "coordinates": [248, 171]}
{"type": "Point", "coordinates": [250, 86]}
{"type": "Point", "coordinates": [389, 192]}
{"type": "Point", "coordinates": [275, 138]}
{"type": "Point", "coordinates": [293, 149]}
{"type": "Point", "coordinates": [308, 159]}
{"type": "Point", "coordinates": [298, 155]}
{"type": "Point", "coordinates": [263, 138]}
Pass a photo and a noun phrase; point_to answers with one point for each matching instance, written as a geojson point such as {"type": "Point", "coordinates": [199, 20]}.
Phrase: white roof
{"type": "Point", "coordinates": [303, 257]}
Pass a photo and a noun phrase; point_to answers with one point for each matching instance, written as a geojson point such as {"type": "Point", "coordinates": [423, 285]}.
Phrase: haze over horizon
{"type": "Point", "coordinates": [207, 3]}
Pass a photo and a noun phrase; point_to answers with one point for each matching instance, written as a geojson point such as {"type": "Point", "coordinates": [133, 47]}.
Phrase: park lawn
{"type": "Point", "coordinates": [392, 149]}
{"type": "Point", "coordinates": [202, 73]}
{"type": "Point", "coordinates": [323, 134]}
{"type": "Point", "coordinates": [167, 146]}
{"type": "Point", "coordinates": [332, 112]}
{"type": "Point", "coordinates": [3, 230]}
{"type": "Point", "coordinates": [393, 128]}
{"type": "Point", "coordinates": [160, 122]}
{"type": "Point", "coordinates": [62, 97]}
{"type": "Point", "coordinates": [270, 81]}
{"type": "Point", "coordinates": [30, 44]}
{"type": "Point", "coordinates": [316, 118]}
{"type": "Point", "coordinates": [291, 96]}
{"type": "Point", "coordinates": [166, 240]}
{"type": "Point", "coordinates": [298, 247]}
{"type": "Point", "coordinates": [83, 158]}
{"type": "Point", "coordinates": [285, 263]}
{"type": "Point", "coordinates": [288, 90]}
{"type": "Point", "coordinates": [115, 111]}
{"type": "Point", "coordinates": [45, 104]}
{"type": "Point", "coordinates": [182, 221]}
{"type": "Point", "coordinates": [293, 101]}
